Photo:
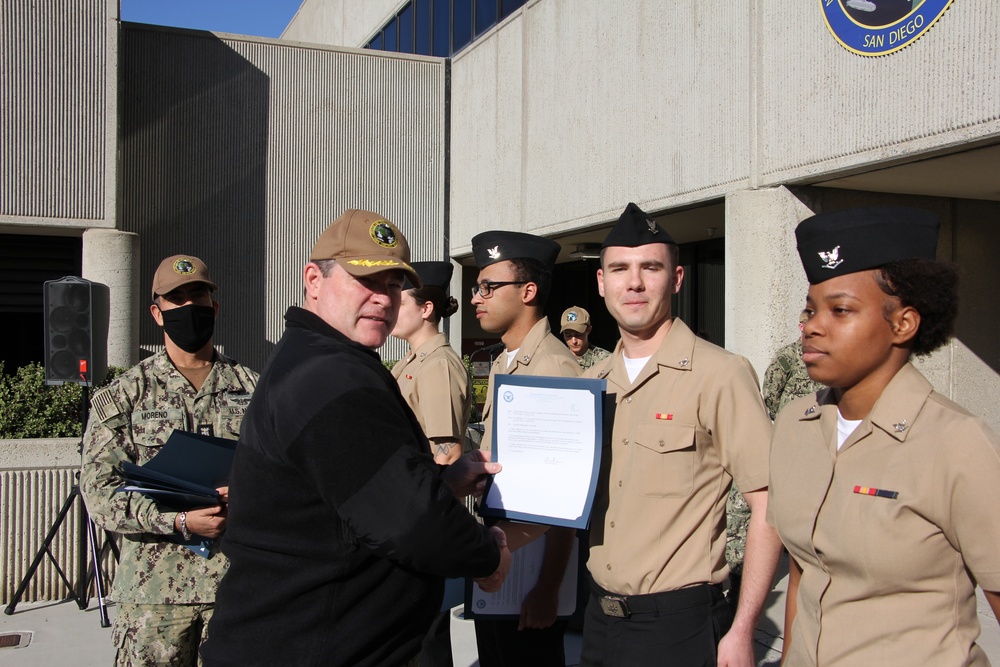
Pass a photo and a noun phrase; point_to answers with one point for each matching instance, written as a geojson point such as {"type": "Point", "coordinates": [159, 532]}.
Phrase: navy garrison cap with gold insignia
{"type": "Point", "coordinates": [635, 228]}
{"type": "Point", "coordinates": [436, 274]}
{"type": "Point", "coordinates": [492, 247]}
{"type": "Point", "coordinates": [841, 242]}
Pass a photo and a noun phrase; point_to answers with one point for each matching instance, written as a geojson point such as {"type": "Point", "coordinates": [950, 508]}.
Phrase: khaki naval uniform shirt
{"type": "Point", "coordinates": [540, 353]}
{"type": "Point", "coordinates": [435, 384]}
{"type": "Point", "coordinates": [130, 420]}
{"type": "Point", "coordinates": [691, 423]}
{"type": "Point", "coordinates": [892, 531]}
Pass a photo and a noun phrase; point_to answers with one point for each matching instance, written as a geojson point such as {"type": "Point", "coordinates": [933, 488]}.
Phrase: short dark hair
{"type": "Point", "coordinates": [444, 305]}
{"type": "Point", "coordinates": [931, 288]}
{"type": "Point", "coordinates": [531, 270]}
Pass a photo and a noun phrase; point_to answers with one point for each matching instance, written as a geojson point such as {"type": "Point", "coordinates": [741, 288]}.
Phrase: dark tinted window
{"type": "Point", "coordinates": [376, 42]}
{"type": "Point", "coordinates": [406, 29]}
{"type": "Point", "coordinates": [508, 7]}
{"type": "Point", "coordinates": [461, 24]}
{"type": "Point", "coordinates": [442, 28]}
{"type": "Point", "coordinates": [486, 15]}
{"type": "Point", "coordinates": [422, 26]}
{"type": "Point", "coordinates": [389, 36]}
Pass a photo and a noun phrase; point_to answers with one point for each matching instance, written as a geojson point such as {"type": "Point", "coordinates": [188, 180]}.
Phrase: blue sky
{"type": "Point", "coordinates": [263, 18]}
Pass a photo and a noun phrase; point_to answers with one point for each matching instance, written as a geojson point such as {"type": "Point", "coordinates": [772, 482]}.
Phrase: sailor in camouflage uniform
{"type": "Point", "coordinates": [786, 379]}
{"type": "Point", "coordinates": [575, 329]}
{"type": "Point", "coordinates": [164, 590]}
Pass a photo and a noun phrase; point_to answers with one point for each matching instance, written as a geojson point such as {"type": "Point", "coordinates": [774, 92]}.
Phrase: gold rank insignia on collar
{"type": "Point", "coordinates": [900, 427]}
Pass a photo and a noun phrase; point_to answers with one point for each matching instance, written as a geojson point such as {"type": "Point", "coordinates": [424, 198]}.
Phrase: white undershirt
{"type": "Point", "coordinates": [845, 427]}
{"type": "Point", "coordinates": [510, 356]}
{"type": "Point", "coordinates": [634, 366]}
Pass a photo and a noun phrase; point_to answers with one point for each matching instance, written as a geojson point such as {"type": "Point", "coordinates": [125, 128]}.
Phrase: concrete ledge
{"type": "Point", "coordinates": [31, 453]}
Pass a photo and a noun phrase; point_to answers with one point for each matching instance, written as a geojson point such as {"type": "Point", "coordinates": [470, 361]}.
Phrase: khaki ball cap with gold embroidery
{"type": "Point", "coordinates": [178, 270]}
{"type": "Point", "coordinates": [364, 243]}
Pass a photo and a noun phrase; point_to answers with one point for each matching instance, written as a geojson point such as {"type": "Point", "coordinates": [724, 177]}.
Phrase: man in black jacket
{"type": "Point", "coordinates": [341, 526]}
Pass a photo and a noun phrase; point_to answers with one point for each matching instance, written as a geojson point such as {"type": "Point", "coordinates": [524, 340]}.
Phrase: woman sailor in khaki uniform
{"type": "Point", "coordinates": [435, 384]}
{"type": "Point", "coordinates": [432, 377]}
{"type": "Point", "coordinates": [883, 490]}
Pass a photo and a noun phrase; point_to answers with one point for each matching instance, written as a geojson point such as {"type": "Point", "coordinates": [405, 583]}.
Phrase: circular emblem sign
{"type": "Point", "coordinates": [878, 27]}
{"type": "Point", "coordinates": [383, 235]}
{"type": "Point", "coordinates": [184, 266]}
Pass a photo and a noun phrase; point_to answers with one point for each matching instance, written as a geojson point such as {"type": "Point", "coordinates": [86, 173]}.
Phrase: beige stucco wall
{"type": "Point", "coordinates": [339, 23]}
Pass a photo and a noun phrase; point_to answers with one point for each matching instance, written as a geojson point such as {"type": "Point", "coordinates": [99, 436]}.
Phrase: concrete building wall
{"type": "Point", "coordinates": [241, 151]}
{"type": "Point", "coordinates": [568, 111]}
{"type": "Point", "coordinates": [57, 132]}
{"type": "Point", "coordinates": [340, 23]}
{"type": "Point", "coordinates": [822, 109]}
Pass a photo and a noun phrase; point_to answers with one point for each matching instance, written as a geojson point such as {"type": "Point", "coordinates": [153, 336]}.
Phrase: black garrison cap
{"type": "Point", "coordinates": [634, 228]}
{"type": "Point", "coordinates": [841, 242]}
{"type": "Point", "coordinates": [437, 274]}
{"type": "Point", "coordinates": [492, 247]}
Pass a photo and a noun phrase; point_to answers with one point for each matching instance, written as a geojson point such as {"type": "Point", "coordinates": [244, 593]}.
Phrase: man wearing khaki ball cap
{"type": "Point", "coordinates": [575, 327]}
{"type": "Point", "coordinates": [341, 526]}
{"type": "Point", "coordinates": [164, 590]}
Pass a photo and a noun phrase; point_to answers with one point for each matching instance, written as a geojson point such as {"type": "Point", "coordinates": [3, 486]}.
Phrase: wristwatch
{"type": "Point", "coordinates": [185, 533]}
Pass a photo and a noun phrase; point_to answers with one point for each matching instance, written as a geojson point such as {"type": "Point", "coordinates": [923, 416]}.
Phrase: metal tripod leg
{"type": "Point", "coordinates": [88, 567]}
{"type": "Point", "coordinates": [95, 556]}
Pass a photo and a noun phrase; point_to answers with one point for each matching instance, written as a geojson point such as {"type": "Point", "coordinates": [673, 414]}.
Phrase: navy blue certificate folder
{"type": "Point", "coordinates": [185, 472]}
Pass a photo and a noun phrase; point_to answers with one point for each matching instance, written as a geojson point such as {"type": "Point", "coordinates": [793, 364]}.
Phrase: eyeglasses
{"type": "Point", "coordinates": [485, 288]}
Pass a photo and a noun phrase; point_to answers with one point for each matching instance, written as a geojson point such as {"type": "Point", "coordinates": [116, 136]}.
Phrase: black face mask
{"type": "Point", "coordinates": [190, 326]}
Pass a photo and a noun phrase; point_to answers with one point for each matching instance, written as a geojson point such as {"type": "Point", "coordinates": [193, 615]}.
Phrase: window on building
{"type": "Point", "coordinates": [389, 36]}
{"type": "Point", "coordinates": [441, 27]}
{"type": "Point", "coordinates": [508, 7]}
{"type": "Point", "coordinates": [406, 29]}
{"type": "Point", "coordinates": [422, 26]}
{"type": "Point", "coordinates": [441, 18]}
{"type": "Point", "coordinates": [486, 15]}
{"type": "Point", "coordinates": [461, 24]}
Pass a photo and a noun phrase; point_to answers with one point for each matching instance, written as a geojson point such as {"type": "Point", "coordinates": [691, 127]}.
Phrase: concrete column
{"type": "Point", "coordinates": [111, 257]}
{"type": "Point", "coordinates": [765, 284]}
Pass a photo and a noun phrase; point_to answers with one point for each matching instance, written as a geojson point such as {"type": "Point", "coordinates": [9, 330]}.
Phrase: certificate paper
{"type": "Point", "coordinates": [523, 575]}
{"type": "Point", "coordinates": [547, 434]}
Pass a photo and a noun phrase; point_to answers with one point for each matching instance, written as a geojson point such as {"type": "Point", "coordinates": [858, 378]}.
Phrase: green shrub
{"type": "Point", "coordinates": [31, 409]}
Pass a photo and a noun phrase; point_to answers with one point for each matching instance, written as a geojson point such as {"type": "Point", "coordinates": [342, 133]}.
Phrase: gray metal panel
{"type": "Point", "coordinates": [242, 150]}
{"type": "Point", "coordinates": [54, 125]}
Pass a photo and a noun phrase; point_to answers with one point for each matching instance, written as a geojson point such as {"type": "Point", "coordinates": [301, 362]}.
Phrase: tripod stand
{"type": "Point", "coordinates": [88, 572]}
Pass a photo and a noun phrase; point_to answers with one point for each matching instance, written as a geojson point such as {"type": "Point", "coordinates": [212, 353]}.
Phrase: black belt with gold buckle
{"type": "Point", "coordinates": [625, 606]}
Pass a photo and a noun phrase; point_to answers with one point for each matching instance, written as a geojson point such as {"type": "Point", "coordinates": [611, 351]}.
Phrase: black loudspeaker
{"type": "Point", "coordinates": [76, 331]}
